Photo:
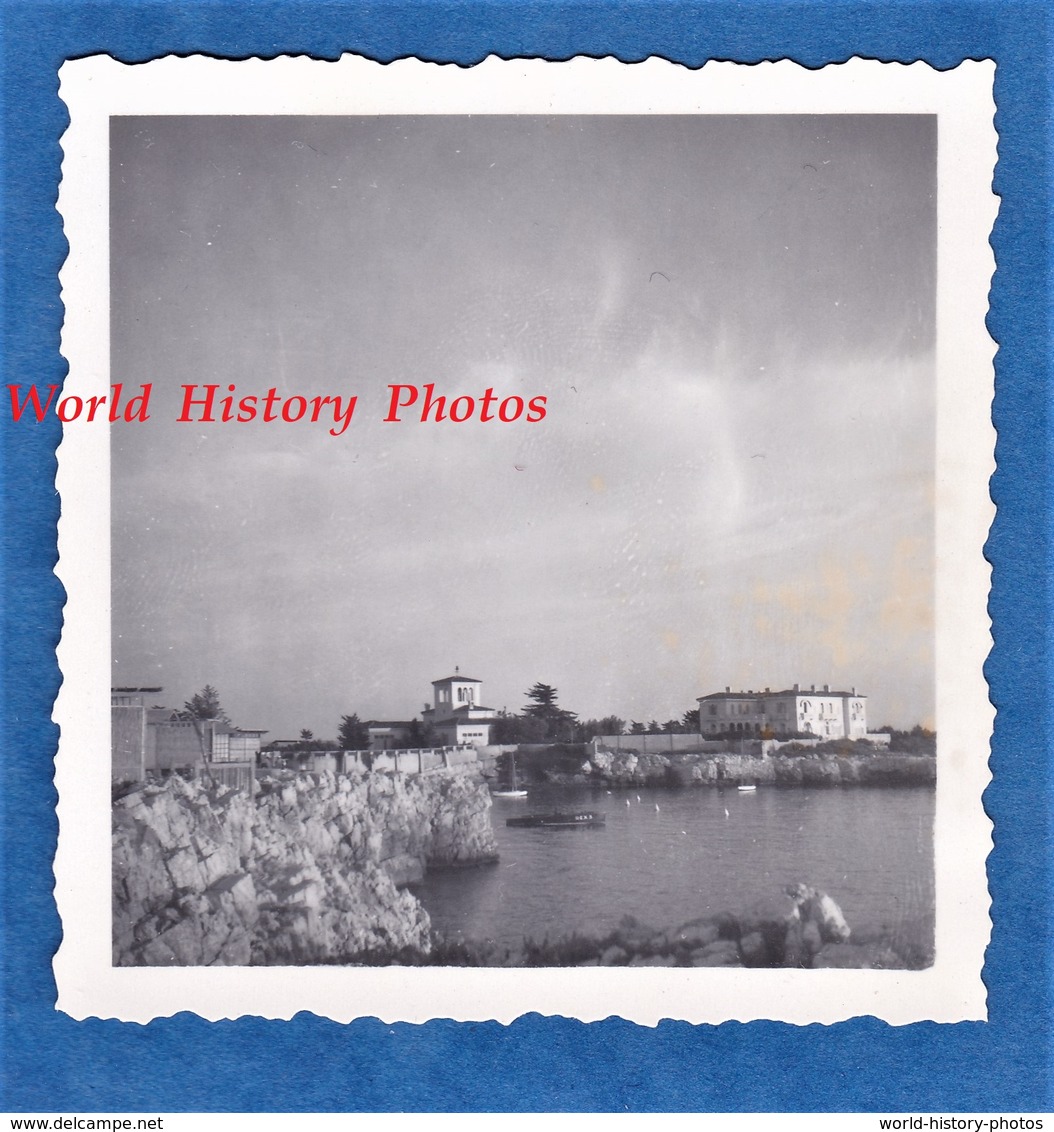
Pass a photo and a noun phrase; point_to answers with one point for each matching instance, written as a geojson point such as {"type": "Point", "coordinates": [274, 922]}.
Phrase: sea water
{"type": "Point", "coordinates": [666, 856]}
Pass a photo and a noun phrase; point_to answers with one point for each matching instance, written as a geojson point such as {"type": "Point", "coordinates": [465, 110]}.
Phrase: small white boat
{"type": "Point", "coordinates": [747, 789]}
{"type": "Point", "coordinates": [513, 789]}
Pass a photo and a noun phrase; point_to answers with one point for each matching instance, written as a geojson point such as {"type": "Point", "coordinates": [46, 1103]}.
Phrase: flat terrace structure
{"type": "Point", "coordinates": [148, 739]}
{"type": "Point", "coordinates": [824, 712]}
{"type": "Point", "coordinates": [387, 734]}
{"type": "Point", "coordinates": [129, 716]}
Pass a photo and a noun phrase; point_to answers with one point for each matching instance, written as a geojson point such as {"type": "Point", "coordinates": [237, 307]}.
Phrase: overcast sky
{"type": "Point", "coordinates": [732, 320]}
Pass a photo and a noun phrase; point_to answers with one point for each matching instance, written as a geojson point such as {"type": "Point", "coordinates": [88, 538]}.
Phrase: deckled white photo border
{"type": "Point", "coordinates": [95, 88]}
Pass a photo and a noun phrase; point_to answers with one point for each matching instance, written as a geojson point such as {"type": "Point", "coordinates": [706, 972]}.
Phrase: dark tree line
{"type": "Point", "coordinates": [918, 741]}
{"type": "Point", "coordinates": [541, 721]}
{"type": "Point", "coordinates": [544, 721]}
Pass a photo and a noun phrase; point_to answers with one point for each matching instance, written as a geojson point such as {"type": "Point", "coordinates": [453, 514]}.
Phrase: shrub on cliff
{"type": "Point", "coordinates": [844, 747]}
{"type": "Point", "coordinates": [536, 764]}
{"type": "Point", "coordinates": [918, 741]}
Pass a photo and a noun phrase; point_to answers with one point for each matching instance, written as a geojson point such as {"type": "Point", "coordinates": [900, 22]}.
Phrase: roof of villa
{"type": "Point", "coordinates": [784, 692]}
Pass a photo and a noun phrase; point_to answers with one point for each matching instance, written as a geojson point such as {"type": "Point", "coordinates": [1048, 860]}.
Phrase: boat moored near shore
{"type": "Point", "coordinates": [556, 820]}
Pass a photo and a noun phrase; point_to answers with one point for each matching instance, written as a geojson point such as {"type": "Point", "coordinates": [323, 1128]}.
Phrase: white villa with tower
{"type": "Point", "coordinates": [825, 712]}
{"type": "Point", "coordinates": [456, 716]}
{"type": "Point", "coordinates": [456, 712]}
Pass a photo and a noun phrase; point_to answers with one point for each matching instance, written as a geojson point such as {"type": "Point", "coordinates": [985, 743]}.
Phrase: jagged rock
{"type": "Point", "coordinates": [754, 951]}
{"type": "Point", "coordinates": [404, 869]}
{"type": "Point", "coordinates": [695, 934]}
{"type": "Point", "coordinates": [764, 929]}
{"type": "Point", "coordinates": [305, 873]}
{"type": "Point", "coordinates": [823, 771]}
{"type": "Point", "coordinates": [628, 767]}
{"type": "Point", "coordinates": [632, 935]}
{"type": "Point", "coordinates": [817, 908]}
{"type": "Point", "coordinates": [802, 943]}
{"type": "Point", "coordinates": [720, 953]}
{"type": "Point", "coordinates": [308, 873]}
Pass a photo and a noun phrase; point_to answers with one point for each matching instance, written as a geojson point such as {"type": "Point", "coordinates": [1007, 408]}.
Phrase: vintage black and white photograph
{"type": "Point", "coordinates": [523, 540]}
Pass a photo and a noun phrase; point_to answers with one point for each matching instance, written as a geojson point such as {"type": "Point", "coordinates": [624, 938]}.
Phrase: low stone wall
{"type": "Point", "coordinates": [652, 742]}
{"type": "Point", "coordinates": [306, 872]}
{"type": "Point", "coordinates": [630, 768]}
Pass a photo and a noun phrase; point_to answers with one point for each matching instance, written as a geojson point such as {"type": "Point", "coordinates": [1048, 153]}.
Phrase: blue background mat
{"type": "Point", "coordinates": [50, 1063]}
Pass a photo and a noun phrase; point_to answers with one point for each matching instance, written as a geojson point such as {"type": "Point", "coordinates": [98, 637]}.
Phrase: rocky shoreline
{"type": "Point", "coordinates": [308, 869]}
{"type": "Point", "coordinates": [311, 871]}
{"type": "Point", "coordinates": [632, 768]}
{"type": "Point", "coordinates": [801, 927]}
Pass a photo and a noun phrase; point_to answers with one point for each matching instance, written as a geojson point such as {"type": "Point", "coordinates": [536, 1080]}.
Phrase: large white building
{"type": "Point", "coordinates": [823, 712]}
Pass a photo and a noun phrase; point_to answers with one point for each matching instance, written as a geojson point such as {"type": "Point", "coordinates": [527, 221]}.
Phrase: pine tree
{"type": "Point", "coordinates": [353, 734]}
{"type": "Point", "coordinates": [205, 705]}
{"type": "Point", "coordinates": [559, 724]}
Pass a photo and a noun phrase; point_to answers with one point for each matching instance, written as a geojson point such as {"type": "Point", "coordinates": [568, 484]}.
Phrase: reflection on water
{"type": "Point", "coordinates": [675, 855]}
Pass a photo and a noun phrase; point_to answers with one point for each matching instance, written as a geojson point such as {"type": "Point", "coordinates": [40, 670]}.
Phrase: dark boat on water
{"type": "Point", "coordinates": [557, 820]}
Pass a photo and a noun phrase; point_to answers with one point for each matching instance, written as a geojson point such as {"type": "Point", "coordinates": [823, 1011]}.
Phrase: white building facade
{"type": "Point", "coordinates": [457, 712]}
{"type": "Point", "coordinates": [824, 712]}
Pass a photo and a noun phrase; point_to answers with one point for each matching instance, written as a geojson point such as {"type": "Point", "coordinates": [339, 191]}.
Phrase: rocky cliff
{"type": "Point", "coordinates": [628, 767]}
{"type": "Point", "coordinates": [306, 872]}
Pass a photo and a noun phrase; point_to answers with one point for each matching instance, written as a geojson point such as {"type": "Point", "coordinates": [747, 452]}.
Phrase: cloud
{"type": "Point", "coordinates": [736, 353]}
